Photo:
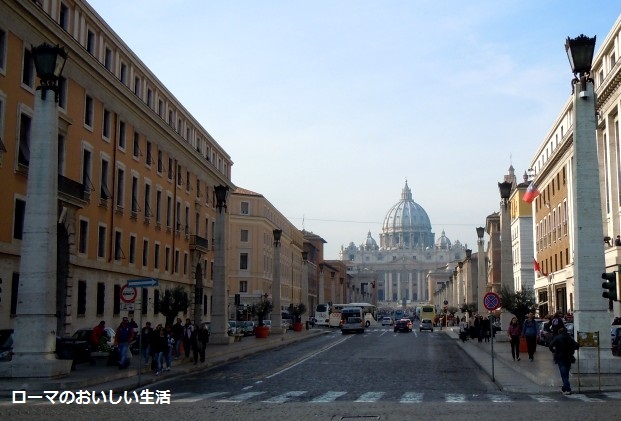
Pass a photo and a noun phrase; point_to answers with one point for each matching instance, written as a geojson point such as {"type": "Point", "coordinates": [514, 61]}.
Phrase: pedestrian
{"type": "Point", "coordinates": [478, 327]}
{"type": "Point", "coordinates": [98, 332]}
{"type": "Point", "coordinates": [203, 338]}
{"type": "Point", "coordinates": [529, 332]}
{"type": "Point", "coordinates": [160, 346]}
{"type": "Point", "coordinates": [563, 347]}
{"type": "Point", "coordinates": [188, 329]}
{"type": "Point", "coordinates": [145, 340]}
{"type": "Point", "coordinates": [486, 326]}
{"type": "Point", "coordinates": [618, 241]}
{"type": "Point", "coordinates": [514, 331]}
{"type": "Point", "coordinates": [177, 333]}
{"type": "Point", "coordinates": [170, 347]}
{"type": "Point", "coordinates": [463, 329]}
{"type": "Point", "coordinates": [122, 338]}
{"type": "Point", "coordinates": [133, 325]}
{"type": "Point", "coordinates": [557, 323]}
{"type": "Point", "coordinates": [194, 343]}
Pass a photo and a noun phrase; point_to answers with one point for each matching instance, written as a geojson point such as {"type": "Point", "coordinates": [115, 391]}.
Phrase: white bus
{"type": "Point", "coordinates": [322, 315]}
{"type": "Point", "coordinates": [369, 311]}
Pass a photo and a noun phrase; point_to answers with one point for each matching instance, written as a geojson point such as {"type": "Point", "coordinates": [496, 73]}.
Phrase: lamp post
{"type": "Point", "coordinates": [320, 294]}
{"type": "Point", "coordinates": [469, 298]}
{"type": "Point", "coordinates": [219, 316]}
{"type": "Point", "coordinates": [506, 265]}
{"type": "Point", "coordinates": [461, 288]}
{"type": "Point", "coordinates": [305, 281]}
{"type": "Point", "coordinates": [277, 314]}
{"type": "Point", "coordinates": [35, 323]}
{"type": "Point", "coordinates": [332, 286]}
{"type": "Point", "coordinates": [481, 275]}
{"type": "Point", "coordinates": [590, 311]}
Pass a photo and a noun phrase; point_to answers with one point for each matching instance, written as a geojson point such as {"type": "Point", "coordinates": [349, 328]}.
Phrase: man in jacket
{"type": "Point", "coordinates": [124, 335]}
{"type": "Point", "coordinates": [563, 347]}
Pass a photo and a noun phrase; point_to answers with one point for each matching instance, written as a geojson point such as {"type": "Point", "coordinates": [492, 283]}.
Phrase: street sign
{"type": "Point", "coordinates": [128, 307]}
{"type": "Point", "coordinates": [142, 283]}
{"type": "Point", "coordinates": [128, 294]}
{"type": "Point", "coordinates": [491, 301]}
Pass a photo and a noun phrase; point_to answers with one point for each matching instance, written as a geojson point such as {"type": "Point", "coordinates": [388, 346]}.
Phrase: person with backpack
{"type": "Point", "coordinates": [529, 333]}
{"type": "Point", "coordinates": [563, 347]}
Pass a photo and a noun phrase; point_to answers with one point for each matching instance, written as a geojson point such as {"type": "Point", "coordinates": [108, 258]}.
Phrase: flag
{"type": "Point", "coordinates": [531, 193]}
{"type": "Point", "coordinates": [537, 268]}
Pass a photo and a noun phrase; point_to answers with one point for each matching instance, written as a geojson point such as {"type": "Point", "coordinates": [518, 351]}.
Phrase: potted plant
{"type": "Point", "coordinates": [262, 309]}
{"type": "Point", "coordinates": [297, 311]}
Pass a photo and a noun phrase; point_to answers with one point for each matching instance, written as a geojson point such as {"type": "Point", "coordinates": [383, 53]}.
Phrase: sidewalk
{"type": "Point", "coordinates": [538, 376]}
{"type": "Point", "coordinates": [105, 378]}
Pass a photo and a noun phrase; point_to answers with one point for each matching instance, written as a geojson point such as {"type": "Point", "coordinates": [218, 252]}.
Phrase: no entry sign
{"type": "Point", "coordinates": [491, 301]}
{"type": "Point", "coordinates": [128, 294]}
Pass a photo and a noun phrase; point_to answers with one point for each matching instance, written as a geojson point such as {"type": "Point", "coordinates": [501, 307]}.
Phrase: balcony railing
{"type": "Point", "coordinates": [199, 243]}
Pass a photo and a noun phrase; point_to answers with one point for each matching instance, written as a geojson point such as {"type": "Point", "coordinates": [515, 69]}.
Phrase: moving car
{"type": "Point", "coordinates": [353, 324]}
{"type": "Point", "coordinates": [426, 324]}
{"type": "Point", "coordinates": [387, 321]}
{"type": "Point", "coordinates": [403, 325]}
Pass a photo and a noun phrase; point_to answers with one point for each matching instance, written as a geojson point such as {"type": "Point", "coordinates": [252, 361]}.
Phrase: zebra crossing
{"type": "Point", "coordinates": [378, 396]}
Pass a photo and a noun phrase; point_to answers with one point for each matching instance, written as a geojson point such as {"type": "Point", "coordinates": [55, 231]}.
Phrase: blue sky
{"type": "Point", "coordinates": [327, 107]}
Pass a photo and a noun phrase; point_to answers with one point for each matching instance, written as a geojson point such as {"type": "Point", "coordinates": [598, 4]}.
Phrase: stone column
{"type": "Point", "coordinates": [506, 259]}
{"type": "Point", "coordinates": [277, 312]}
{"type": "Point", "coordinates": [481, 275]}
{"type": "Point", "coordinates": [219, 316]}
{"type": "Point", "coordinates": [304, 286]}
{"type": "Point", "coordinates": [321, 293]}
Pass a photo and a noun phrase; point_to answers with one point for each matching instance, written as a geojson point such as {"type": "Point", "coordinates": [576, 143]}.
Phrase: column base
{"type": "Point", "coordinates": [586, 361]}
{"type": "Point", "coordinates": [35, 366]}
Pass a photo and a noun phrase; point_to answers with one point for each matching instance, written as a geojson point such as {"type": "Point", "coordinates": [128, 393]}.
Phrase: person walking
{"type": "Point", "coordinates": [203, 338]}
{"type": "Point", "coordinates": [177, 334]}
{"type": "Point", "coordinates": [124, 335]}
{"type": "Point", "coordinates": [160, 346]}
{"type": "Point", "coordinates": [463, 329]}
{"type": "Point", "coordinates": [514, 332]}
{"type": "Point", "coordinates": [145, 339]}
{"type": "Point", "coordinates": [529, 333]}
{"type": "Point", "coordinates": [188, 330]}
{"type": "Point", "coordinates": [557, 323]}
{"type": "Point", "coordinates": [169, 348]}
{"type": "Point", "coordinates": [563, 347]}
{"type": "Point", "coordinates": [96, 334]}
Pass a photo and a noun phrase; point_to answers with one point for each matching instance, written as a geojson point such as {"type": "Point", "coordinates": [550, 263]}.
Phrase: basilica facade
{"type": "Point", "coordinates": [398, 268]}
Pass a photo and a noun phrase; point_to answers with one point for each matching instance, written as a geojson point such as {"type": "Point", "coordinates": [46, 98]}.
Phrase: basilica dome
{"type": "Point", "coordinates": [406, 225]}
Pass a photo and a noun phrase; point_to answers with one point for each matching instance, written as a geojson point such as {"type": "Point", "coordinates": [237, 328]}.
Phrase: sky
{"type": "Point", "coordinates": [327, 107]}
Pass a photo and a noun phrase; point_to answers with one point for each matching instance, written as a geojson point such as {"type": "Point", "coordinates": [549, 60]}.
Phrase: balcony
{"type": "Point", "coordinates": [199, 243]}
{"type": "Point", "coordinates": [71, 191]}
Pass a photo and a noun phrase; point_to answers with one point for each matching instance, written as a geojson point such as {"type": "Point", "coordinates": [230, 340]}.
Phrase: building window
{"type": "Point", "coordinates": [83, 237]}
{"type": "Point", "coordinates": [120, 183]}
{"type": "Point", "coordinates": [81, 298]}
{"type": "Point", "coordinates": [169, 212]}
{"type": "Point", "coordinates": [150, 98]}
{"type": "Point", "coordinates": [90, 42]}
{"type": "Point", "coordinates": [28, 70]}
{"type": "Point", "coordinates": [158, 207]}
{"type": "Point", "coordinates": [135, 206]}
{"type": "Point", "coordinates": [25, 124]}
{"type": "Point", "coordinates": [132, 249]}
{"type": "Point", "coordinates": [160, 164]}
{"type": "Point", "coordinates": [123, 75]}
{"type": "Point", "coordinates": [122, 138]}
{"type": "Point", "coordinates": [145, 253]}
{"type": "Point", "coordinates": [244, 208]}
{"type": "Point", "coordinates": [86, 171]}
{"type": "Point", "coordinates": [108, 59]}
{"type": "Point", "coordinates": [160, 108]}
{"type": "Point", "coordinates": [62, 93]}
{"type": "Point", "coordinates": [149, 148]}
{"type": "Point", "coordinates": [244, 236]}
{"type": "Point", "coordinates": [243, 261]}
{"type": "Point", "coordinates": [101, 242]}
{"type": "Point", "coordinates": [104, 191]}
{"type": "Point", "coordinates": [156, 301]}
{"type": "Point", "coordinates": [88, 111]}
{"type": "Point", "coordinates": [137, 86]}
{"type": "Point", "coordinates": [156, 256]}
{"type": "Point", "coordinates": [117, 300]}
{"type": "Point", "coordinates": [118, 251]}
{"type": "Point", "coordinates": [101, 298]}
{"type": "Point", "coordinates": [147, 199]}
{"type": "Point", "coordinates": [176, 262]}
{"type": "Point", "coordinates": [185, 263]}
{"type": "Point", "coordinates": [105, 131]}
{"type": "Point", "coordinates": [170, 168]}
{"type": "Point", "coordinates": [2, 50]}
{"type": "Point", "coordinates": [18, 219]}
{"type": "Point", "coordinates": [167, 259]}
{"type": "Point", "coordinates": [145, 300]}
{"type": "Point", "coordinates": [243, 286]}
{"type": "Point", "coordinates": [63, 18]}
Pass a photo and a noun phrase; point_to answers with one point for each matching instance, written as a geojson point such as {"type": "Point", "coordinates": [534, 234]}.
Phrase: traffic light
{"type": "Point", "coordinates": [612, 286]}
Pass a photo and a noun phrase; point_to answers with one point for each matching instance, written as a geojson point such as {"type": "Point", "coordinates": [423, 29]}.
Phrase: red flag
{"type": "Point", "coordinates": [531, 193]}
{"type": "Point", "coordinates": [537, 268]}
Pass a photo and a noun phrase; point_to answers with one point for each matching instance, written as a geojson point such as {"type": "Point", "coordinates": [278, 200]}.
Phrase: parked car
{"type": "Point", "coordinates": [387, 321]}
{"type": "Point", "coordinates": [6, 345]}
{"type": "Point", "coordinates": [74, 348]}
{"type": "Point", "coordinates": [616, 341]}
{"type": "Point", "coordinates": [426, 324]}
{"type": "Point", "coordinates": [353, 324]}
{"type": "Point", "coordinates": [403, 325]}
{"type": "Point", "coordinates": [234, 328]}
{"type": "Point", "coordinates": [248, 328]}
{"type": "Point", "coordinates": [85, 335]}
{"type": "Point", "coordinates": [267, 323]}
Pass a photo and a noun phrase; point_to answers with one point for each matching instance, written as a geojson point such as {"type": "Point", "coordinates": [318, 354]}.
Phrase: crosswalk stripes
{"type": "Point", "coordinates": [285, 396]}
{"type": "Point", "coordinates": [454, 398]}
{"type": "Point", "coordinates": [613, 395]}
{"type": "Point", "coordinates": [328, 397]}
{"type": "Point", "coordinates": [370, 397]}
{"type": "Point", "coordinates": [499, 398]}
{"type": "Point", "coordinates": [411, 397]}
{"type": "Point", "coordinates": [543, 398]}
{"type": "Point", "coordinates": [242, 397]}
{"type": "Point", "coordinates": [584, 398]}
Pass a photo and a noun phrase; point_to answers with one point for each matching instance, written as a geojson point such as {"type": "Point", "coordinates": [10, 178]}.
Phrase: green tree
{"type": "Point", "coordinates": [469, 308]}
{"type": "Point", "coordinates": [297, 311]}
{"type": "Point", "coordinates": [262, 309]}
{"type": "Point", "coordinates": [173, 302]}
{"type": "Point", "coordinates": [519, 303]}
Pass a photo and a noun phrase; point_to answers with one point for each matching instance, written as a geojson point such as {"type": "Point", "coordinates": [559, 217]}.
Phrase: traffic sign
{"type": "Point", "coordinates": [128, 294]}
{"type": "Point", "coordinates": [491, 301]}
{"type": "Point", "coordinates": [142, 283]}
{"type": "Point", "coordinates": [128, 307]}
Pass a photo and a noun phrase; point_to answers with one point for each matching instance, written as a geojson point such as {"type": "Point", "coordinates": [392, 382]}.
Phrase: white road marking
{"type": "Point", "coordinates": [329, 397]}
{"type": "Point", "coordinates": [543, 398]}
{"type": "Point", "coordinates": [370, 397]}
{"type": "Point", "coordinates": [499, 398]}
{"type": "Point", "coordinates": [285, 396]}
{"type": "Point", "coordinates": [584, 398]}
{"type": "Point", "coordinates": [411, 397]}
{"type": "Point", "coordinates": [242, 397]}
{"type": "Point", "coordinates": [454, 398]}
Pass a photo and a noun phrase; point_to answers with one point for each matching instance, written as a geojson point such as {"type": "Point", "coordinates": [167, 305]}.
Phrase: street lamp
{"type": "Point", "coordinates": [590, 313]}
{"type": "Point", "coordinates": [481, 275]}
{"type": "Point", "coordinates": [35, 323]}
{"type": "Point", "coordinates": [277, 315]}
{"type": "Point", "coordinates": [219, 316]}
{"type": "Point", "coordinates": [305, 281]}
{"type": "Point", "coordinates": [506, 266]}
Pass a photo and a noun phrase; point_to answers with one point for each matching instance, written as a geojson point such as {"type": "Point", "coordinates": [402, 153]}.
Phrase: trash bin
{"type": "Point", "coordinates": [523, 345]}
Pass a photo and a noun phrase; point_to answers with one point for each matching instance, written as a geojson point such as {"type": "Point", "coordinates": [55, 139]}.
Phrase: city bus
{"type": "Point", "coordinates": [426, 311]}
{"type": "Point", "coordinates": [322, 314]}
{"type": "Point", "coordinates": [369, 313]}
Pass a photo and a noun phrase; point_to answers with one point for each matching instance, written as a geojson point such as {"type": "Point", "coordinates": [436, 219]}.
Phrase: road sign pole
{"type": "Point", "coordinates": [491, 328]}
{"type": "Point", "coordinates": [140, 338]}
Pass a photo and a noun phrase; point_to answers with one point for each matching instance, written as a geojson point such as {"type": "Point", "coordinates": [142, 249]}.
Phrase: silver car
{"type": "Point", "coordinates": [426, 324]}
